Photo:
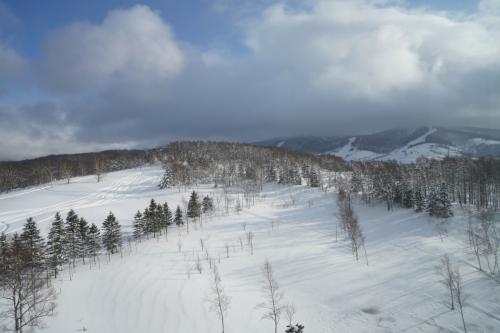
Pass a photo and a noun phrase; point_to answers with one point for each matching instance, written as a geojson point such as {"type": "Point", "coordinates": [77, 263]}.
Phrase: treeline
{"type": "Point", "coordinates": [192, 162]}
{"type": "Point", "coordinates": [20, 174]}
{"type": "Point", "coordinates": [232, 164]}
{"type": "Point", "coordinates": [430, 185]}
{"type": "Point", "coordinates": [28, 263]}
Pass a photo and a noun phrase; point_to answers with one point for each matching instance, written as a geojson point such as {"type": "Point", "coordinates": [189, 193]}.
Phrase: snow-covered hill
{"type": "Point", "coordinates": [149, 290]}
{"type": "Point", "coordinates": [402, 144]}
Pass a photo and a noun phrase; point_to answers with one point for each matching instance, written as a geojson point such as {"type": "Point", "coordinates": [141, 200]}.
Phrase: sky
{"type": "Point", "coordinates": [89, 75]}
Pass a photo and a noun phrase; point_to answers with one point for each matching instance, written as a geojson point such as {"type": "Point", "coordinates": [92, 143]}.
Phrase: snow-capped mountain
{"type": "Point", "coordinates": [400, 144]}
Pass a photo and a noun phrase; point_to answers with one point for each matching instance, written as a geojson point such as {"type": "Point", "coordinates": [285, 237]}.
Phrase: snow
{"type": "Point", "coordinates": [148, 290]}
{"type": "Point", "coordinates": [280, 144]}
{"type": "Point", "coordinates": [406, 154]}
{"type": "Point", "coordinates": [351, 153]}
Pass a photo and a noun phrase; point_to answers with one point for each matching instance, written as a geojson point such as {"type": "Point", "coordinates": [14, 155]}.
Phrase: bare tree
{"type": "Point", "coordinates": [448, 278]}
{"type": "Point", "coordinates": [274, 297]}
{"type": "Point", "coordinates": [23, 290]}
{"type": "Point", "coordinates": [227, 249]}
{"type": "Point", "coordinates": [250, 236]}
{"type": "Point", "coordinates": [198, 265]}
{"type": "Point", "coordinates": [219, 301]}
{"type": "Point", "coordinates": [290, 313]}
{"type": "Point", "coordinates": [459, 294]}
{"type": "Point", "coordinates": [179, 244]}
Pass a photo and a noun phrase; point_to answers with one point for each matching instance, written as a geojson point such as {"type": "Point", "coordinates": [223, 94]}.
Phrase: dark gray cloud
{"type": "Point", "coordinates": [335, 67]}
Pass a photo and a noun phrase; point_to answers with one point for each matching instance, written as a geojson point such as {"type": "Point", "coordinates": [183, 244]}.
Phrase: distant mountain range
{"type": "Point", "coordinates": [400, 144]}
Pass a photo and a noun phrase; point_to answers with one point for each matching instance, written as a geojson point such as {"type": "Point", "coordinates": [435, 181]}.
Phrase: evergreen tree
{"type": "Point", "coordinates": [438, 203]}
{"type": "Point", "coordinates": [34, 244]}
{"type": "Point", "coordinates": [167, 180]}
{"type": "Point", "coordinates": [149, 217]}
{"type": "Point", "coordinates": [94, 241]}
{"type": "Point", "coordinates": [166, 217]}
{"type": "Point", "coordinates": [83, 234]}
{"type": "Point", "coordinates": [178, 220]}
{"type": "Point", "coordinates": [194, 206]}
{"type": "Point", "coordinates": [159, 219]}
{"type": "Point", "coordinates": [297, 328]}
{"type": "Point", "coordinates": [271, 176]}
{"type": "Point", "coordinates": [111, 235]}
{"type": "Point", "coordinates": [313, 178]}
{"type": "Point", "coordinates": [4, 254]}
{"type": "Point", "coordinates": [419, 201]}
{"type": "Point", "coordinates": [138, 225]}
{"type": "Point", "coordinates": [207, 204]}
{"type": "Point", "coordinates": [55, 243]}
{"type": "Point", "coordinates": [71, 231]}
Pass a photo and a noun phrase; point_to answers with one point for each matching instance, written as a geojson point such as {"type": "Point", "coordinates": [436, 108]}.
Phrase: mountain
{"type": "Point", "coordinates": [400, 144]}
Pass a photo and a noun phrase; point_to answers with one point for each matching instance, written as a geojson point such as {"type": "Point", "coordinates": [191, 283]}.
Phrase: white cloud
{"type": "Point", "coordinates": [130, 44]}
{"type": "Point", "coordinates": [365, 49]}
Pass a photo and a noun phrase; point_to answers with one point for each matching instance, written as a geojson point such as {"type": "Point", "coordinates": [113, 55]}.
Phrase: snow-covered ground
{"type": "Point", "coordinates": [148, 290]}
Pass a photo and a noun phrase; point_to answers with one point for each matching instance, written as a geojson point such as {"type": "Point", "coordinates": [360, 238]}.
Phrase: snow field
{"type": "Point", "coordinates": [148, 289]}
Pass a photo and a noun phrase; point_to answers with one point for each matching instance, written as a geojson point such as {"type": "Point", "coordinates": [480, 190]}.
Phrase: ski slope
{"type": "Point", "coordinates": [148, 289]}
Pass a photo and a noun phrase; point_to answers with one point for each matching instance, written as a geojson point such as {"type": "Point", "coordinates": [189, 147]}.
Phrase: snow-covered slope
{"type": "Point", "coordinates": [149, 291]}
{"type": "Point", "coordinates": [401, 144]}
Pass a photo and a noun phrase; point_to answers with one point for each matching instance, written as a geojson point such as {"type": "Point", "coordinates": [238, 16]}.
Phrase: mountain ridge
{"type": "Point", "coordinates": [402, 144]}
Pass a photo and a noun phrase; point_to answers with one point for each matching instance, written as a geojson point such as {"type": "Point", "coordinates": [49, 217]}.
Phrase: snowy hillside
{"type": "Point", "coordinates": [149, 289]}
{"type": "Point", "coordinates": [401, 144]}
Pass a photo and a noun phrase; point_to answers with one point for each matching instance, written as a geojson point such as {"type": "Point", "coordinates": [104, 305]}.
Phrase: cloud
{"type": "Point", "coordinates": [130, 44]}
{"type": "Point", "coordinates": [327, 67]}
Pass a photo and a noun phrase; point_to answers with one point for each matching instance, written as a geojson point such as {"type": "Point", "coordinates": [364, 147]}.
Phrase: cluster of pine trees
{"type": "Point", "coordinates": [157, 218]}
{"type": "Point", "coordinates": [28, 262]}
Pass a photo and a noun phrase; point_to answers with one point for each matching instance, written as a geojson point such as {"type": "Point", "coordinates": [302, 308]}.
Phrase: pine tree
{"type": "Point", "coordinates": [207, 204]}
{"type": "Point", "coordinates": [438, 203]}
{"type": "Point", "coordinates": [159, 219]}
{"type": "Point", "coordinates": [4, 254]}
{"type": "Point", "coordinates": [419, 201]}
{"type": "Point", "coordinates": [83, 230]}
{"type": "Point", "coordinates": [271, 176]}
{"type": "Point", "coordinates": [167, 179]}
{"type": "Point", "coordinates": [297, 328]}
{"type": "Point", "coordinates": [149, 217]}
{"type": "Point", "coordinates": [138, 225]}
{"type": "Point", "coordinates": [71, 236]}
{"type": "Point", "coordinates": [111, 235]}
{"type": "Point", "coordinates": [194, 207]}
{"type": "Point", "coordinates": [94, 241]}
{"type": "Point", "coordinates": [33, 243]}
{"type": "Point", "coordinates": [167, 217]}
{"type": "Point", "coordinates": [55, 243]}
{"type": "Point", "coordinates": [314, 178]}
{"type": "Point", "coordinates": [178, 220]}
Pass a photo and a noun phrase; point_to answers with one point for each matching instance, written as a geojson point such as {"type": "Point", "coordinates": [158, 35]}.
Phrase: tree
{"type": "Point", "coordinates": [274, 297]}
{"type": "Point", "coordinates": [28, 299]}
{"type": "Point", "coordinates": [297, 328]}
{"type": "Point", "coordinates": [138, 225]}
{"type": "Point", "coordinates": [194, 206]}
{"type": "Point", "coordinates": [94, 241]}
{"type": "Point", "coordinates": [459, 294]}
{"type": "Point", "coordinates": [167, 216]}
{"type": "Point", "coordinates": [207, 204]}
{"type": "Point", "coordinates": [219, 301]}
{"type": "Point", "coordinates": [419, 201]}
{"type": "Point", "coordinates": [71, 231]}
{"type": "Point", "coordinates": [167, 180]}
{"type": "Point", "coordinates": [438, 203]}
{"type": "Point", "coordinates": [178, 220]}
{"type": "Point", "coordinates": [448, 278]}
{"type": "Point", "coordinates": [55, 243]}
{"type": "Point", "coordinates": [83, 234]}
{"type": "Point", "coordinates": [111, 235]}
{"type": "Point", "coordinates": [33, 243]}
{"type": "Point", "coordinates": [314, 178]}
